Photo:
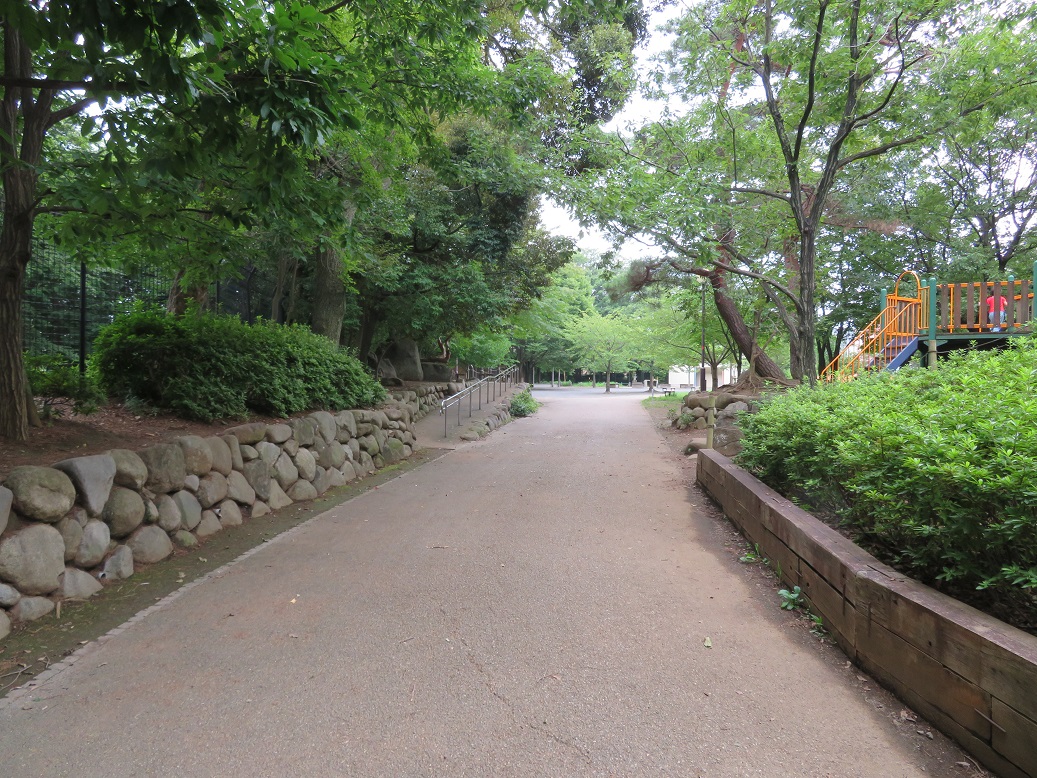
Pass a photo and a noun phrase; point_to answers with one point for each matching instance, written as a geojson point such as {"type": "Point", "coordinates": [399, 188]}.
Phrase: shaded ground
{"type": "Point", "coordinates": [552, 600]}
{"type": "Point", "coordinates": [35, 646]}
{"type": "Point", "coordinates": [113, 426]}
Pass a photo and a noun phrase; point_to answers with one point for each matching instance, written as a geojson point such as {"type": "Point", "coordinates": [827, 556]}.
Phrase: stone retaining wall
{"type": "Point", "coordinates": [970, 674]}
{"type": "Point", "coordinates": [65, 529]}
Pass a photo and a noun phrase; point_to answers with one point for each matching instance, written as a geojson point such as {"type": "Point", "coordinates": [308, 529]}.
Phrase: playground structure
{"type": "Point", "coordinates": [936, 319]}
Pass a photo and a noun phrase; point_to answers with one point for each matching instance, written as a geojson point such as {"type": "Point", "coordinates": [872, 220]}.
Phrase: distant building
{"type": "Point", "coordinates": [687, 376]}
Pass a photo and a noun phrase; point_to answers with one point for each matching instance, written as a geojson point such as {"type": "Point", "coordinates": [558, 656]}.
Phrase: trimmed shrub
{"type": "Point", "coordinates": [523, 404]}
{"type": "Point", "coordinates": [214, 367]}
{"type": "Point", "coordinates": [935, 471]}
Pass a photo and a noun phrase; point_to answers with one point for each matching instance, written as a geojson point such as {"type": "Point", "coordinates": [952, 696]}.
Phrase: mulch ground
{"type": "Point", "coordinates": [113, 426]}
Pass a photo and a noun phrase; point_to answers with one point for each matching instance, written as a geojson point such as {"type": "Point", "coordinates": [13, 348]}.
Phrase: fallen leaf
{"type": "Point", "coordinates": [707, 643]}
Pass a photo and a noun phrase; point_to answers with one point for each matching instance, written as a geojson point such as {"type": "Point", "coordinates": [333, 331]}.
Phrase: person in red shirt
{"type": "Point", "coordinates": [993, 306]}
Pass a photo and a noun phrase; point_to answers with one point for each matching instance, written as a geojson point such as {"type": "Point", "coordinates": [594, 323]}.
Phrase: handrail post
{"type": "Point", "coordinates": [1011, 303]}
{"type": "Point", "coordinates": [1033, 291]}
{"type": "Point", "coordinates": [931, 356]}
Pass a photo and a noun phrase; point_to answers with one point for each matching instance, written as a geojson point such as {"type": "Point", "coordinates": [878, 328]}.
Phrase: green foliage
{"type": "Point", "coordinates": [790, 600]}
{"type": "Point", "coordinates": [601, 343]}
{"type": "Point", "coordinates": [523, 404]}
{"type": "Point", "coordinates": [59, 386]}
{"type": "Point", "coordinates": [483, 348]}
{"type": "Point", "coordinates": [752, 555]}
{"type": "Point", "coordinates": [932, 469]}
{"type": "Point", "coordinates": [212, 367]}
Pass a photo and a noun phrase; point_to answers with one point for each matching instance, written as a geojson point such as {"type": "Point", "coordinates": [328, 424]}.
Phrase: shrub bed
{"type": "Point", "coordinates": [933, 471]}
{"type": "Point", "coordinates": [215, 367]}
{"type": "Point", "coordinates": [523, 404]}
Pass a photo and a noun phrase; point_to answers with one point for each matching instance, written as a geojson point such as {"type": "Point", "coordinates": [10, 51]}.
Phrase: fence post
{"type": "Point", "coordinates": [711, 420]}
{"type": "Point", "coordinates": [1033, 291]}
{"type": "Point", "coordinates": [932, 323]}
{"type": "Point", "coordinates": [1011, 304]}
{"type": "Point", "coordinates": [82, 318]}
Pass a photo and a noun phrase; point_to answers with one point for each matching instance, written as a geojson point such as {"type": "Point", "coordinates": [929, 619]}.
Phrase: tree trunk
{"type": "Point", "coordinates": [740, 333]}
{"type": "Point", "coordinates": [23, 127]}
{"type": "Point", "coordinates": [329, 294]}
{"type": "Point", "coordinates": [180, 297]}
{"type": "Point", "coordinates": [807, 314]}
{"type": "Point", "coordinates": [14, 414]}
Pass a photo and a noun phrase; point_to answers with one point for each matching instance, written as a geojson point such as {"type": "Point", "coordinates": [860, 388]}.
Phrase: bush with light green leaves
{"type": "Point", "coordinates": [935, 471]}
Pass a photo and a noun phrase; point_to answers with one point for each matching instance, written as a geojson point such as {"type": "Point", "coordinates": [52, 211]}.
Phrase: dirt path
{"type": "Point", "coordinates": [534, 604]}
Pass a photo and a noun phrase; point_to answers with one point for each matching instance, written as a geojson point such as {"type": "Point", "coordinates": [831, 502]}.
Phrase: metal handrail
{"type": "Point", "coordinates": [489, 383]}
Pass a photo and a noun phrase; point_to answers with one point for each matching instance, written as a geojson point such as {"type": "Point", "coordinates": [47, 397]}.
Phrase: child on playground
{"type": "Point", "coordinates": [992, 308]}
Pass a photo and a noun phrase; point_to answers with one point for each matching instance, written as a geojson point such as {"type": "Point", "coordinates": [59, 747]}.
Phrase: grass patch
{"type": "Point", "coordinates": [664, 401]}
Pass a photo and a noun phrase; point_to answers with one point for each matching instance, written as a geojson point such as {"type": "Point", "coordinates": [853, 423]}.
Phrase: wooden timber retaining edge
{"type": "Point", "coordinates": [971, 675]}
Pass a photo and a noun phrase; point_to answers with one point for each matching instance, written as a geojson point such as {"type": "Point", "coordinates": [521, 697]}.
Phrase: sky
{"type": "Point", "coordinates": [637, 110]}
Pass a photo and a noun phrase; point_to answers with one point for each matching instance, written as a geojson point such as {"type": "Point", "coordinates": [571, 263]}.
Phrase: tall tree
{"type": "Point", "coordinates": [821, 89]}
{"type": "Point", "coordinates": [220, 66]}
{"type": "Point", "coordinates": [602, 343]}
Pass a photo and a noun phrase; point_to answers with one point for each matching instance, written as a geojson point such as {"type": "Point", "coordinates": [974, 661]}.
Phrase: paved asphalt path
{"type": "Point", "coordinates": [533, 604]}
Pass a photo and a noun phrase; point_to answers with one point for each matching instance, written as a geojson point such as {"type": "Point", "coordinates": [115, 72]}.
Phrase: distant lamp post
{"type": "Point", "coordinates": [702, 327]}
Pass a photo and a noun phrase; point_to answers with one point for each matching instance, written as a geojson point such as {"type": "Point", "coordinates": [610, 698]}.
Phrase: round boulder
{"type": "Point", "coordinates": [197, 457]}
{"type": "Point", "coordinates": [150, 544]}
{"type": "Point", "coordinates": [306, 464]}
{"type": "Point", "coordinates": [130, 470]}
{"type": "Point", "coordinates": [8, 595]}
{"type": "Point", "coordinates": [94, 544]}
{"type": "Point", "coordinates": [229, 514]}
{"type": "Point", "coordinates": [124, 511]}
{"type": "Point", "coordinates": [119, 564]}
{"type": "Point", "coordinates": [169, 518]}
{"type": "Point", "coordinates": [211, 489]}
{"type": "Point", "coordinates": [78, 584]}
{"type": "Point", "coordinates": [32, 608]}
{"type": "Point", "coordinates": [166, 467]}
{"type": "Point", "coordinates": [222, 461]}
{"type": "Point", "coordinates": [190, 508]}
{"type": "Point", "coordinates": [41, 493]}
{"type": "Point", "coordinates": [72, 533]}
{"type": "Point", "coordinates": [33, 559]}
{"type": "Point", "coordinates": [6, 499]}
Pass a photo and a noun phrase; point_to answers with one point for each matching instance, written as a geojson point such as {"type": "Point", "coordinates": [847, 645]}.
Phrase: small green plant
{"type": "Point", "coordinates": [59, 386]}
{"type": "Point", "coordinates": [752, 556]}
{"type": "Point", "coordinates": [685, 420]}
{"type": "Point", "coordinates": [790, 600]}
{"type": "Point", "coordinates": [523, 404]}
{"type": "Point", "coordinates": [817, 626]}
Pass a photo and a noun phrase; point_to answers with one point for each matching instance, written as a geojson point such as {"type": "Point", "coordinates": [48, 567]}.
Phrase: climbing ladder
{"type": "Point", "coordinates": [890, 338]}
{"type": "Point", "coordinates": [937, 316]}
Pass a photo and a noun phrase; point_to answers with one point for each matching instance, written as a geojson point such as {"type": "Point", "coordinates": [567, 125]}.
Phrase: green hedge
{"type": "Point", "coordinates": [523, 404]}
{"type": "Point", "coordinates": [935, 471]}
{"type": "Point", "coordinates": [214, 367]}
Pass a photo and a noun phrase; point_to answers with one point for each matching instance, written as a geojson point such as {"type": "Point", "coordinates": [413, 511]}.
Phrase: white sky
{"type": "Point", "coordinates": [637, 111]}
